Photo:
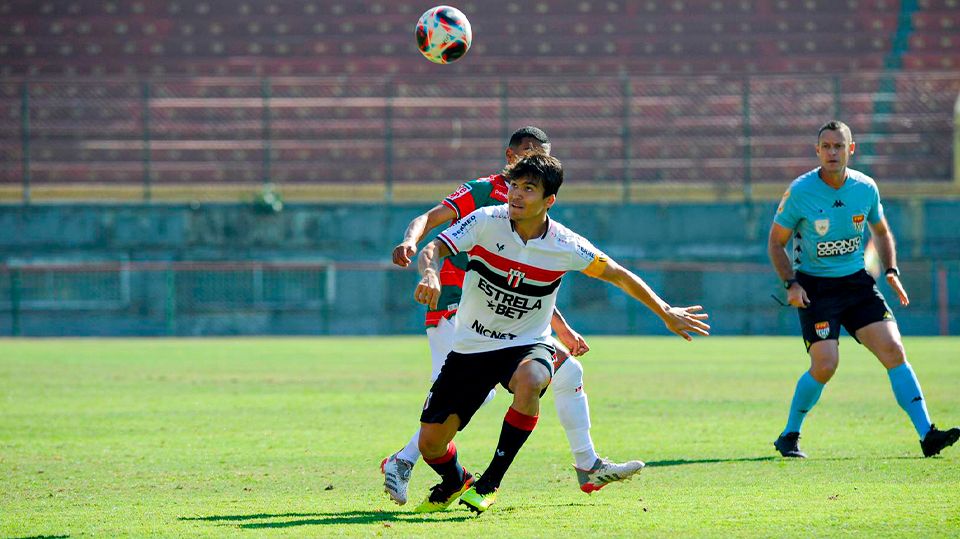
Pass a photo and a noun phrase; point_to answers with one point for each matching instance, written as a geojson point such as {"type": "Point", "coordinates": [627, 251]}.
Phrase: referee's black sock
{"type": "Point", "coordinates": [516, 429]}
{"type": "Point", "coordinates": [448, 466]}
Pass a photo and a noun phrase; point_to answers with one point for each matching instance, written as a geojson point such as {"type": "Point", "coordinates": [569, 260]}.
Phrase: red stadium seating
{"type": "Point", "coordinates": [685, 62]}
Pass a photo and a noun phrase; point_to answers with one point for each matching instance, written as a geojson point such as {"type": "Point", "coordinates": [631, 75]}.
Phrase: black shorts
{"type": "Point", "coordinates": [466, 379]}
{"type": "Point", "coordinates": [852, 301]}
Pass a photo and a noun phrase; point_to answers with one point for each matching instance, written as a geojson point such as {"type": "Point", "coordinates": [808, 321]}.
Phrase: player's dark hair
{"type": "Point", "coordinates": [532, 132]}
{"type": "Point", "coordinates": [538, 167]}
{"type": "Point", "coordinates": [836, 125]}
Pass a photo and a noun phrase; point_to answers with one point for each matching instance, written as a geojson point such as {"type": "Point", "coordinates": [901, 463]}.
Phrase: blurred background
{"type": "Point", "coordinates": [214, 167]}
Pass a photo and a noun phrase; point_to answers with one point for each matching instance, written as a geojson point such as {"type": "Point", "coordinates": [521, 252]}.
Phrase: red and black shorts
{"type": "Point", "coordinates": [852, 301]}
{"type": "Point", "coordinates": [466, 379]}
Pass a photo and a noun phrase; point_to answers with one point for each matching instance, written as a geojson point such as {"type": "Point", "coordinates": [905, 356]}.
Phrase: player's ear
{"type": "Point", "coordinates": [853, 147]}
{"type": "Point", "coordinates": [550, 200]}
{"type": "Point", "coordinates": [511, 155]}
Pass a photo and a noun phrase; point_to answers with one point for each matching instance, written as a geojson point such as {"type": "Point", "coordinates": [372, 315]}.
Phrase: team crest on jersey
{"type": "Point", "coordinates": [822, 329]}
{"type": "Point", "coordinates": [515, 277]}
{"type": "Point", "coordinates": [822, 226]}
{"type": "Point", "coordinates": [858, 222]}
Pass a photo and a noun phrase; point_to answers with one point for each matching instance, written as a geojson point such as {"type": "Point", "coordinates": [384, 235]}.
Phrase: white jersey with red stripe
{"type": "Point", "coordinates": [510, 288]}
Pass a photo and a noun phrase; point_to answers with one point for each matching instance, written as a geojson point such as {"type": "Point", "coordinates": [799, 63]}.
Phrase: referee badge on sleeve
{"type": "Point", "coordinates": [823, 329]}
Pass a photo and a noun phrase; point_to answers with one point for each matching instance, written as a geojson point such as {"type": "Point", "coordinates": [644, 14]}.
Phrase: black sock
{"type": "Point", "coordinates": [516, 429]}
{"type": "Point", "coordinates": [448, 466]}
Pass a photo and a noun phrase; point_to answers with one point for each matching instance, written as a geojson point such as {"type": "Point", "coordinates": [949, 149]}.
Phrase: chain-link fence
{"type": "Point", "coordinates": [382, 138]}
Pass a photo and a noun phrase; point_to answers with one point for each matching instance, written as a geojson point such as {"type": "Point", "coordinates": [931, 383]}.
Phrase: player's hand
{"type": "Point", "coordinates": [428, 290]}
{"type": "Point", "coordinates": [686, 320]}
{"type": "Point", "coordinates": [797, 296]}
{"type": "Point", "coordinates": [573, 341]}
{"type": "Point", "coordinates": [403, 254]}
{"type": "Point", "coordinates": [897, 286]}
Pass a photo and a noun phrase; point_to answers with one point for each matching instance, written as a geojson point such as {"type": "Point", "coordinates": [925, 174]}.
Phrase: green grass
{"type": "Point", "coordinates": [283, 437]}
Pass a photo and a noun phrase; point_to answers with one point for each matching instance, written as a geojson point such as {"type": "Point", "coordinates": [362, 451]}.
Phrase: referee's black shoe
{"type": "Point", "coordinates": [937, 439]}
{"type": "Point", "coordinates": [786, 444]}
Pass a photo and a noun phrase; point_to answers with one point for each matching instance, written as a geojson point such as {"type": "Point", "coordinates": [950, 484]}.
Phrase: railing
{"type": "Point", "coordinates": [184, 138]}
{"type": "Point", "coordinates": [332, 298]}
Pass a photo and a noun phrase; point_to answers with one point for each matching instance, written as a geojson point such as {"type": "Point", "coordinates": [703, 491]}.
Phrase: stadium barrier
{"type": "Point", "coordinates": [321, 297]}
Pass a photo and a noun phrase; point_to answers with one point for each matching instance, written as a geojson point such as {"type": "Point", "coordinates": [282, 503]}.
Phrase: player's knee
{"type": "Point", "coordinates": [824, 369]}
{"type": "Point", "coordinates": [569, 377]}
{"type": "Point", "coordinates": [892, 354]}
{"type": "Point", "coordinates": [531, 377]}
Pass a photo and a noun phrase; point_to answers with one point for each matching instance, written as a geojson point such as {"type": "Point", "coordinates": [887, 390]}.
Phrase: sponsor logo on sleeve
{"type": "Point", "coordinates": [822, 226]}
{"type": "Point", "coordinates": [822, 329]}
{"type": "Point", "coordinates": [464, 189]}
{"type": "Point", "coordinates": [586, 253]}
{"type": "Point", "coordinates": [463, 227]}
{"type": "Point", "coordinates": [783, 201]}
{"type": "Point", "coordinates": [858, 222]}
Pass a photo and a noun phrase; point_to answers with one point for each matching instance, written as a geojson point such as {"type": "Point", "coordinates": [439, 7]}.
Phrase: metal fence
{"type": "Point", "coordinates": [326, 298]}
{"type": "Point", "coordinates": [98, 139]}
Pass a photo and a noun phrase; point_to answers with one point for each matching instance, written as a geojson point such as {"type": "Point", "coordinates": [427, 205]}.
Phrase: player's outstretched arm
{"type": "Point", "coordinates": [428, 290]}
{"type": "Point", "coordinates": [684, 321]}
{"type": "Point", "coordinates": [887, 251]}
{"type": "Point", "coordinates": [574, 342]}
{"type": "Point", "coordinates": [418, 228]}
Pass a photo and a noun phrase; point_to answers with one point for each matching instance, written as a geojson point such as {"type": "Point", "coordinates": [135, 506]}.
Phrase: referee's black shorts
{"type": "Point", "coordinates": [466, 379]}
{"type": "Point", "coordinates": [852, 301]}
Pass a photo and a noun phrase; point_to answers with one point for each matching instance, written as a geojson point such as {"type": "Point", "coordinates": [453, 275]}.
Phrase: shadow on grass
{"type": "Point", "coordinates": [681, 462]}
{"type": "Point", "coordinates": [353, 517]}
{"type": "Point", "coordinates": [43, 537]}
{"type": "Point", "coordinates": [321, 519]}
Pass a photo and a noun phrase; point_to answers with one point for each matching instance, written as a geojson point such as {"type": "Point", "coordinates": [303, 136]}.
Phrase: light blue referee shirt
{"type": "Point", "coordinates": [829, 223]}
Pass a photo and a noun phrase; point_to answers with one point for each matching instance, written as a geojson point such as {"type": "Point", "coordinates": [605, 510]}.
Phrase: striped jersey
{"type": "Point", "coordinates": [488, 191]}
{"type": "Point", "coordinates": [829, 223]}
{"type": "Point", "coordinates": [510, 288]}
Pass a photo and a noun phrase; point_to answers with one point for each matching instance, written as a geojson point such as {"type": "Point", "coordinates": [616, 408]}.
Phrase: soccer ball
{"type": "Point", "coordinates": [443, 34]}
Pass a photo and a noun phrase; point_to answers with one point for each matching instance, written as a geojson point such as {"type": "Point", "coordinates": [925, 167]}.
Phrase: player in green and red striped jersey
{"type": "Point", "coordinates": [593, 472]}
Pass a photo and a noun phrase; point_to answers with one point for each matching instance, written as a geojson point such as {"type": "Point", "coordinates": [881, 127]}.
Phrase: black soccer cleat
{"type": "Point", "coordinates": [786, 444]}
{"type": "Point", "coordinates": [936, 440]}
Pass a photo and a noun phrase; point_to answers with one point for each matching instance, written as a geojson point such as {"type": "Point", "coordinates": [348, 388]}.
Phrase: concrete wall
{"type": "Point", "coordinates": [707, 253]}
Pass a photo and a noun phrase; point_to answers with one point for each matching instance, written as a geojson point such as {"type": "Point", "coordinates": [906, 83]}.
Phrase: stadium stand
{"type": "Point", "coordinates": [172, 92]}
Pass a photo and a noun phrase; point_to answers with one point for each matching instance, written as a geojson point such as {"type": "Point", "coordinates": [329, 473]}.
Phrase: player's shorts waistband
{"type": "Point", "coordinates": [815, 283]}
{"type": "Point", "coordinates": [858, 273]}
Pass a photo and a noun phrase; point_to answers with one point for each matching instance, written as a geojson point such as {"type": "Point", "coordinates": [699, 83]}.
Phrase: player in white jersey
{"type": "Point", "coordinates": [569, 394]}
{"type": "Point", "coordinates": [517, 257]}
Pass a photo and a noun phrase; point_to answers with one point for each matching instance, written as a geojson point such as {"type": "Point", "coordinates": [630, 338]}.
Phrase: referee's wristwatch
{"type": "Point", "coordinates": [788, 283]}
{"type": "Point", "coordinates": [892, 271]}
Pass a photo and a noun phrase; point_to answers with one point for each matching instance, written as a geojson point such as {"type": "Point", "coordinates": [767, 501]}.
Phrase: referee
{"type": "Point", "coordinates": [824, 211]}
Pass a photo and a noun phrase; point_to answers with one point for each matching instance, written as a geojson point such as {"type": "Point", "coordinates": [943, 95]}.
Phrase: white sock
{"type": "Point", "coordinates": [411, 451]}
{"type": "Point", "coordinates": [573, 409]}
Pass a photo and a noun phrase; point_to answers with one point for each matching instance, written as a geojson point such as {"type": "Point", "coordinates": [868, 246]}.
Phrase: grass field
{"type": "Point", "coordinates": [283, 437]}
